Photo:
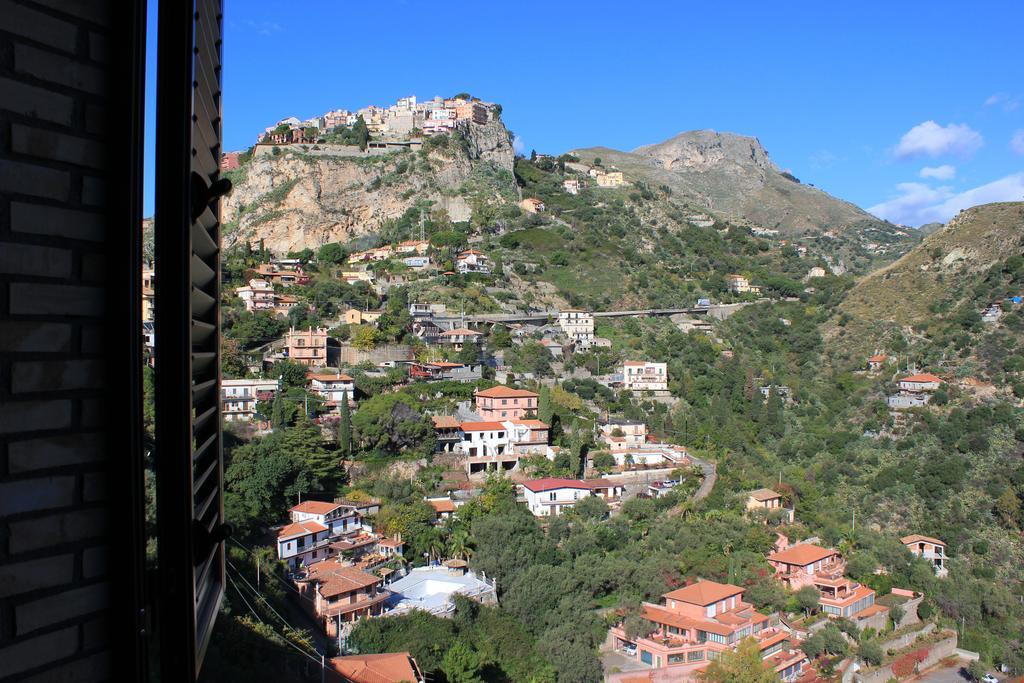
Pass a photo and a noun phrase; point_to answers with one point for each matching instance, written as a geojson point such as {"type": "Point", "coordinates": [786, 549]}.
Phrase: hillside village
{"type": "Point", "coordinates": [454, 387]}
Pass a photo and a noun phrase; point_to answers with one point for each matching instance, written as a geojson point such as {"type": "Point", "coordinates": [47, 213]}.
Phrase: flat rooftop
{"type": "Point", "coordinates": [431, 589]}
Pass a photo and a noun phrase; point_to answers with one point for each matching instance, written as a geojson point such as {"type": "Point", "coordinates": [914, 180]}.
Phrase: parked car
{"type": "Point", "coordinates": [989, 678]}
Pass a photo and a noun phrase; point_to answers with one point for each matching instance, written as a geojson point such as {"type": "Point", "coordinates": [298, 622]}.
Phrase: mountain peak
{"type": "Point", "coordinates": [706, 149]}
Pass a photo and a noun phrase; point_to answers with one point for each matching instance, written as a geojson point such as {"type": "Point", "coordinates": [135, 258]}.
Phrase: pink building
{"type": "Point", "coordinates": [931, 549]}
{"type": "Point", "coordinates": [696, 624]}
{"type": "Point", "coordinates": [307, 346]}
{"type": "Point", "coordinates": [806, 564]}
{"type": "Point", "coordinates": [501, 402]}
{"type": "Point", "coordinates": [229, 161]}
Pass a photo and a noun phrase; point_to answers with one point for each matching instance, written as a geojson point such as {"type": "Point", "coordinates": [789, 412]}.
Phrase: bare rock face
{"type": "Point", "coordinates": [709, 151]}
{"type": "Point", "coordinates": [304, 197]}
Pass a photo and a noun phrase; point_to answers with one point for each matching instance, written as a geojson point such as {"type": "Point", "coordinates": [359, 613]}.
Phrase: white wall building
{"type": "Point", "coordinates": [333, 387]}
{"type": "Point", "coordinates": [644, 376]}
{"type": "Point", "coordinates": [485, 438]}
{"type": "Point", "coordinates": [239, 397]}
{"type": "Point", "coordinates": [578, 326]}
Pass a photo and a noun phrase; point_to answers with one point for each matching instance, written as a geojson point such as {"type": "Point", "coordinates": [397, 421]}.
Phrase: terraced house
{"type": "Point", "coordinates": [695, 624]}
{"type": "Point", "coordinates": [501, 402]}
{"type": "Point", "coordinates": [806, 564]}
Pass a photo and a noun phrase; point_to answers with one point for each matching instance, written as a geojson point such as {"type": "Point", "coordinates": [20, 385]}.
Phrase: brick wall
{"type": "Point", "coordinates": [56, 565]}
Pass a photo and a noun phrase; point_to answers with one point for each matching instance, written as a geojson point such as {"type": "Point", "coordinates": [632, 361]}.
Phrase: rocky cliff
{"type": "Point", "coordinates": [302, 196]}
{"type": "Point", "coordinates": [732, 175]}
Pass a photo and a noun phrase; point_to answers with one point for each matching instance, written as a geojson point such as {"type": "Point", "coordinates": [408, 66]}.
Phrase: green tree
{"type": "Point", "coordinates": [807, 598]}
{"type": "Point", "coordinates": [345, 430]}
{"type": "Point", "coordinates": [364, 337]}
{"type": "Point", "coordinates": [742, 665]}
{"type": "Point", "coordinates": [461, 663]}
{"type": "Point", "coordinates": [332, 252]}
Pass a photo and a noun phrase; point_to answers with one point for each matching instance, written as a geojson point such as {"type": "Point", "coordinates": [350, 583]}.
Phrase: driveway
{"type": "Point", "coordinates": [944, 675]}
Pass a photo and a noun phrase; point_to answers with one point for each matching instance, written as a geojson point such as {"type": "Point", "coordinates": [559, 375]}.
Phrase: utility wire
{"type": "Point", "coordinates": [265, 601]}
{"type": "Point", "coordinates": [288, 642]}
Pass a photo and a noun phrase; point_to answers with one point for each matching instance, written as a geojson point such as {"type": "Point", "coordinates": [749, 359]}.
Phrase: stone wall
{"type": "Point", "coordinates": [936, 653]}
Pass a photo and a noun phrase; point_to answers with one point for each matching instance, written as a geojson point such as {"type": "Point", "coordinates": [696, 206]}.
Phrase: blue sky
{"type": "Point", "coordinates": [907, 109]}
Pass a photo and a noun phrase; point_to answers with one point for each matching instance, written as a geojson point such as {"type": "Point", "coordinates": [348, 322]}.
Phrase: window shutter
{"type": "Point", "coordinates": [190, 511]}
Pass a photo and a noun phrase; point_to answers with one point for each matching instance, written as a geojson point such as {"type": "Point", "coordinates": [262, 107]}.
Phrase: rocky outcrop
{"type": "Point", "coordinates": [302, 197]}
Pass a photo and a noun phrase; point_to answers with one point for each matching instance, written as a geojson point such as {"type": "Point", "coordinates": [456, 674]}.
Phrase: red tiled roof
{"type": "Point", "coordinates": [924, 377]}
{"type": "Point", "coordinates": [328, 376]}
{"type": "Point", "coordinates": [391, 667]}
{"type": "Point", "coordinates": [442, 505]}
{"type": "Point", "coordinates": [802, 554]}
{"type": "Point", "coordinates": [336, 578]}
{"type": "Point", "coordinates": [314, 507]}
{"type": "Point", "coordinates": [877, 359]}
{"type": "Point", "coordinates": [704, 592]}
{"type": "Point", "coordinates": [482, 426]}
{"type": "Point", "coordinates": [300, 529]}
{"type": "Point", "coordinates": [501, 391]}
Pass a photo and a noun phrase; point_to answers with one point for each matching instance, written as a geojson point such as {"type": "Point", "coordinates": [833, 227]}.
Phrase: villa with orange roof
{"type": "Point", "coordinates": [302, 543]}
{"type": "Point", "coordinates": [931, 549]}
{"type": "Point", "coordinates": [337, 593]}
{"type": "Point", "coordinates": [806, 564]}
{"type": "Point", "coordinates": [333, 387]}
{"type": "Point", "coordinates": [390, 667]}
{"type": "Point", "coordinates": [501, 402]}
{"type": "Point", "coordinates": [922, 382]}
{"type": "Point", "coordinates": [695, 624]}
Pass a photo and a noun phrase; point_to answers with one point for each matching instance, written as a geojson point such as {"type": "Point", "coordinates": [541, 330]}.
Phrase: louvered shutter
{"type": "Point", "coordinates": [190, 513]}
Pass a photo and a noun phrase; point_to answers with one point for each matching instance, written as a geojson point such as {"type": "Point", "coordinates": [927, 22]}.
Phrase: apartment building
{"type": "Point", "coordinates": [694, 625]}
{"type": "Point", "coordinates": [303, 543]}
{"type": "Point", "coordinates": [308, 347]}
{"type": "Point", "coordinates": [473, 261]}
{"type": "Point", "coordinates": [333, 387]}
{"type": "Point", "coordinates": [460, 337]}
{"type": "Point", "coordinates": [620, 434]}
{"type": "Point", "coordinates": [738, 284]}
{"type": "Point", "coordinates": [501, 402]}
{"type": "Point", "coordinates": [644, 376]}
{"type": "Point", "coordinates": [578, 326]}
{"type": "Point", "coordinates": [807, 564]}
{"type": "Point", "coordinates": [239, 397]}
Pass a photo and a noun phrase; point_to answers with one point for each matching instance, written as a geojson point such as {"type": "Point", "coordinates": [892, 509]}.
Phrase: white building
{"type": "Point", "coordinates": [484, 439]}
{"type": "Point", "coordinates": [303, 543]}
{"type": "Point", "coordinates": [333, 387]}
{"type": "Point", "coordinates": [257, 296]}
{"type": "Point", "coordinates": [623, 434]}
{"type": "Point", "coordinates": [239, 397]}
{"type": "Point", "coordinates": [919, 383]}
{"type": "Point", "coordinates": [473, 261]}
{"type": "Point", "coordinates": [652, 455]}
{"type": "Point", "coordinates": [549, 496]}
{"type": "Point", "coordinates": [578, 326]}
{"type": "Point", "coordinates": [340, 519]}
{"type": "Point", "coordinates": [644, 376]}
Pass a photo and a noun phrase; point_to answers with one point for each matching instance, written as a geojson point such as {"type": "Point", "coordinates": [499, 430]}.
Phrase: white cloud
{"type": "Point", "coordinates": [944, 172]}
{"type": "Point", "coordinates": [1017, 142]}
{"type": "Point", "coordinates": [919, 203]}
{"type": "Point", "coordinates": [931, 139]}
{"type": "Point", "coordinates": [518, 146]}
{"type": "Point", "coordinates": [1009, 102]}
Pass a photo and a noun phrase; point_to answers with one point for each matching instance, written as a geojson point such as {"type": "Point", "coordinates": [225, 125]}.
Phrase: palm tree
{"type": "Point", "coordinates": [459, 545]}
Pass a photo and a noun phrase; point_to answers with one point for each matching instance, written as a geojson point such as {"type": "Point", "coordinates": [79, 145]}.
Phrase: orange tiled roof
{"type": "Point", "coordinates": [481, 426]}
{"type": "Point", "coordinates": [924, 377]}
{"type": "Point", "coordinates": [336, 578]}
{"type": "Point", "coordinates": [443, 505]}
{"type": "Point", "coordinates": [704, 592]}
{"type": "Point", "coordinates": [802, 554]}
{"type": "Point", "coordinates": [445, 421]}
{"type": "Point", "coordinates": [501, 391]}
{"type": "Point", "coordinates": [328, 377]}
{"type": "Point", "coordinates": [460, 331]}
{"type": "Point", "coordinates": [551, 483]}
{"type": "Point", "coordinates": [314, 507]}
{"type": "Point", "coordinates": [391, 667]}
{"type": "Point", "coordinates": [300, 529]}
